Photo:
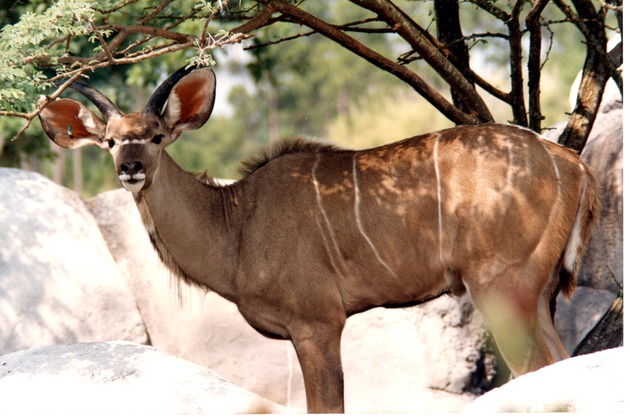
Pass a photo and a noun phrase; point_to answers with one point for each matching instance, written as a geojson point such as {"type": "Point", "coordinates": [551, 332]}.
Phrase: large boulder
{"type": "Point", "coordinates": [430, 358]}
{"type": "Point", "coordinates": [58, 281]}
{"type": "Point", "coordinates": [575, 318]}
{"type": "Point", "coordinates": [116, 378]}
{"type": "Point", "coordinates": [602, 267]}
{"type": "Point", "coordinates": [595, 383]}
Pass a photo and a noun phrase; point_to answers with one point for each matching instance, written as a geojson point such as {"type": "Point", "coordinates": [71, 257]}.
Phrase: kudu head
{"type": "Point", "coordinates": [134, 140]}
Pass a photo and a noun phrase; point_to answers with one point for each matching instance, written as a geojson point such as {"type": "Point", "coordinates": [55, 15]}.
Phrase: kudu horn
{"type": "Point", "coordinates": [156, 102]}
{"type": "Point", "coordinates": [154, 105]}
{"type": "Point", "coordinates": [102, 102]}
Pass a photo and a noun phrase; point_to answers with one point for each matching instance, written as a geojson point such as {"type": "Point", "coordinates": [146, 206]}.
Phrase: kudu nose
{"type": "Point", "coordinates": [131, 168]}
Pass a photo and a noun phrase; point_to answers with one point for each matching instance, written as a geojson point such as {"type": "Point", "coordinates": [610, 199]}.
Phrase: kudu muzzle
{"type": "Point", "coordinates": [131, 171]}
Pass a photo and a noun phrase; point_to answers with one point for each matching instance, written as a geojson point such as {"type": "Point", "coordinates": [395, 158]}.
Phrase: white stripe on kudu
{"type": "Point", "coordinates": [357, 216]}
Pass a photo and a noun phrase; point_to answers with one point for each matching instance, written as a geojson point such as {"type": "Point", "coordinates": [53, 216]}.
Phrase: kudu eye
{"type": "Point", "coordinates": [157, 139]}
{"type": "Point", "coordinates": [111, 143]}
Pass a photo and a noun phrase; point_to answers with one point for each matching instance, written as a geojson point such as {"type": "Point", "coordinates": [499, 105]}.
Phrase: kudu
{"type": "Point", "coordinates": [313, 234]}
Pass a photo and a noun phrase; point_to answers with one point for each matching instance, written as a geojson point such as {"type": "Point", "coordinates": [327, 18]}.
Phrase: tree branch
{"type": "Point", "coordinates": [517, 95]}
{"type": "Point", "coordinates": [112, 55]}
{"type": "Point", "coordinates": [596, 72]}
{"type": "Point", "coordinates": [532, 22]}
{"type": "Point", "coordinates": [449, 34]}
{"type": "Point", "coordinates": [155, 12]}
{"type": "Point", "coordinates": [423, 43]}
{"type": "Point", "coordinates": [261, 20]}
{"type": "Point", "coordinates": [489, 7]}
{"type": "Point", "coordinates": [150, 30]}
{"type": "Point", "coordinates": [343, 39]}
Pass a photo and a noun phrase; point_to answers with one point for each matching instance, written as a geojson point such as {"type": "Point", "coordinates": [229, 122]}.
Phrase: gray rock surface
{"type": "Point", "coordinates": [576, 318]}
{"type": "Point", "coordinates": [116, 378]}
{"type": "Point", "coordinates": [602, 267]}
{"type": "Point", "coordinates": [58, 281]}
{"type": "Point", "coordinates": [594, 383]}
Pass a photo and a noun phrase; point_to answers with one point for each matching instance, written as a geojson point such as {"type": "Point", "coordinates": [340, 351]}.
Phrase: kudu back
{"type": "Point", "coordinates": [313, 234]}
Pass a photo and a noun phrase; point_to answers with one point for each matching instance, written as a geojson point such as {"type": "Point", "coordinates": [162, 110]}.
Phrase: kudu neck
{"type": "Point", "coordinates": [192, 226]}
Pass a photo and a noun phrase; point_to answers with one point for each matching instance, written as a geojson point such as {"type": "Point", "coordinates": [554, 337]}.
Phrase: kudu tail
{"type": "Point", "coordinates": [587, 215]}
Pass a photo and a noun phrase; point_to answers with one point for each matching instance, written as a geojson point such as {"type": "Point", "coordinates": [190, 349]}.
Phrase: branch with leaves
{"type": "Point", "coordinates": [45, 59]}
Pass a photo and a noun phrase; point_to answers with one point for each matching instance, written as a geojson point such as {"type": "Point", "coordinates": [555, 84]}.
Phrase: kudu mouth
{"type": "Point", "coordinates": [132, 185]}
{"type": "Point", "coordinates": [132, 176]}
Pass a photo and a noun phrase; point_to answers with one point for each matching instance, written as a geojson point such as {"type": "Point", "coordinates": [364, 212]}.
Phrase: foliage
{"type": "Point", "coordinates": [375, 121]}
{"type": "Point", "coordinates": [20, 80]}
{"type": "Point", "coordinates": [304, 85]}
{"type": "Point", "coordinates": [55, 45]}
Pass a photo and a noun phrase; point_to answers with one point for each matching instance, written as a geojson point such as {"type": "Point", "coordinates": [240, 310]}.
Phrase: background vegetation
{"type": "Point", "coordinates": [275, 88]}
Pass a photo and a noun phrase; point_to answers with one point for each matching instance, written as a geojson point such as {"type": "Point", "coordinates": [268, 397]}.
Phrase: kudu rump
{"type": "Point", "coordinates": [313, 234]}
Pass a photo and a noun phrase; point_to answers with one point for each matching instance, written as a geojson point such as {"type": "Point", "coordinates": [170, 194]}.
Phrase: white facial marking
{"type": "Point", "coordinates": [133, 187]}
{"type": "Point", "coordinates": [133, 141]}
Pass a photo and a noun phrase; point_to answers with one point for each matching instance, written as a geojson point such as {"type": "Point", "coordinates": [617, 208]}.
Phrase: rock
{"type": "Point", "coordinates": [593, 383]}
{"type": "Point", "coordinates": [603, 261]}
{"type": "Point", "coordinates": [577, 317]}
{"type": "Point", "coordinates": [412, 360]}
{"type": "Point", "coordinates": [116, 378]}
{"type": "Point", "coordinates": [393, 358]}
{"type": "Point", "coordinates": [58, 281]}
{"type": "Point", "coordinates": [602, 266]}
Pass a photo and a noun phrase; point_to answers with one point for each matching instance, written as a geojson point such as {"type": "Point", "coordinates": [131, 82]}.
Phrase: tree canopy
{"type": "Point", "coordinates": [461, 56]}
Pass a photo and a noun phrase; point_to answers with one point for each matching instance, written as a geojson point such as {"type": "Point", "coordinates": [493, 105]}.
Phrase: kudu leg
{"type": "Point", "coordinates": [318, 348]}
{"type": "Point", "coordinates": [520, 321]}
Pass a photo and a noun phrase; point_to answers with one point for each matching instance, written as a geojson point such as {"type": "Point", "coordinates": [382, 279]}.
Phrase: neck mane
{"type": "Point", "coordinates": [281, 148]}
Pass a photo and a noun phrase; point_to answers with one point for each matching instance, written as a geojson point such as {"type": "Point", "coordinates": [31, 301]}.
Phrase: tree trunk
{"type": "Point", "coordinates": [449, 33]}
{"type": "Point", "coordinates": [607, 333]}
{"type": "Point", "coordinates": [598, 68]}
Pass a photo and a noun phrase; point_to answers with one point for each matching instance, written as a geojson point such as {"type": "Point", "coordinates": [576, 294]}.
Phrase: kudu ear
{"type": "Point", "coordinates": [190, 102]}
{"type": "Point", "coordinates": [71, 124]}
